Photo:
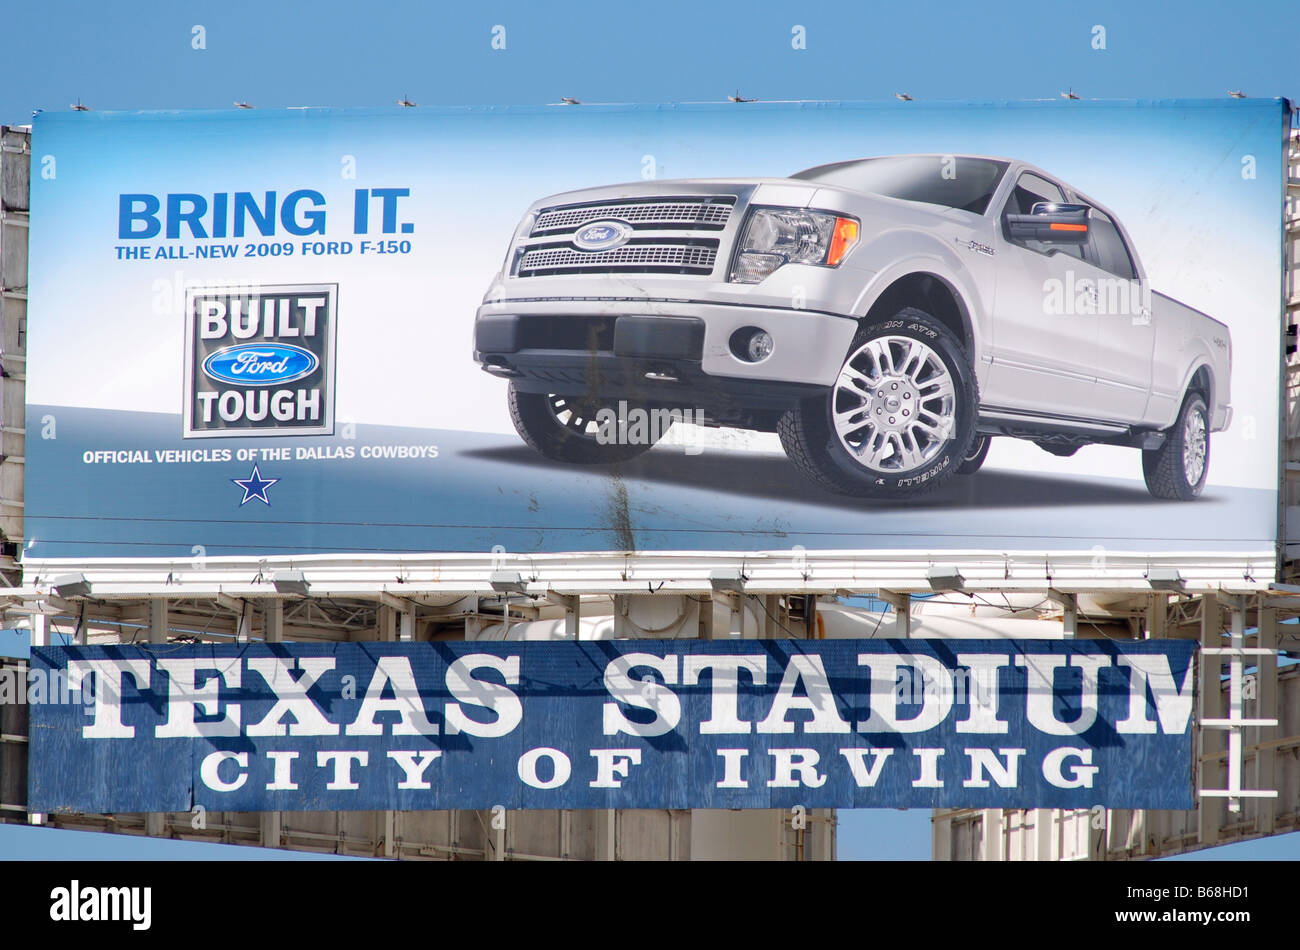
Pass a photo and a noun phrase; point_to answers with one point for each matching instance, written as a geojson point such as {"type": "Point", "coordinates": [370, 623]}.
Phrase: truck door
{"type": "Point", "coordinates": [1044, 350]}
{"type": "Point", "coordinates": [1125, 333]}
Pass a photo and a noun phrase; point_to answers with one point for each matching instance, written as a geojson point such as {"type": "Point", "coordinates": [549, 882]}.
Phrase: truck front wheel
{"type": "Point", "coordinates": [1178, 468]}
{"type": "Point", "coordinates": [568, 429]}
{"type": "Point", "coordinates": [899, 418]}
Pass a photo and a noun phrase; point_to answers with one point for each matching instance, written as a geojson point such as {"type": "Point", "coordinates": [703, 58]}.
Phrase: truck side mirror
{"type": "Point", "coordinates": [1051, 223]}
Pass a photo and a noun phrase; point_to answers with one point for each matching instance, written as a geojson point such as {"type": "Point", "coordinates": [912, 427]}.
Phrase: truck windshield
{"type": "Point", "coordinates": [947, 180]}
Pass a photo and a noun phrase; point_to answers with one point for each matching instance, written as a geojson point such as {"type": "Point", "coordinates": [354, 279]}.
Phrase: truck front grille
{"type": "Point", "coordinates": [658, 257]}
{"type": "Point", "coordinates": [670, 235]}
{"type": "Point", "coordinates": [702, 214]}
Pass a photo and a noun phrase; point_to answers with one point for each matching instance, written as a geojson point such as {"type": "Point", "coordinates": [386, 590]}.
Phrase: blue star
{"type": "Point", "coordinates": [255, 486]}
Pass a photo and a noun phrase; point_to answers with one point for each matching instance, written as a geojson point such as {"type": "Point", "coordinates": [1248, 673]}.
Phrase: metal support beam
{"type": "Point", "coordinates": [706, 618]}
{"type": "Point", "coordinates": [736, 627]}
{"type": "Point", "coordinates": [902, 604]}
{"type": "Point", "coordinates": [497, 849]}
{"type": "Point", "coordinates": [1210, 812]}
{"type": "Point", "coordinates": [1069, 611]}
{"type": "Point", "coordinates": [399, 604]}
{"type": "Point", "coordinates": [1045, 828]}
{"type": "Point", "coordinates": [158, 620]}
{"type": "Point", "coordinates": [387, 621]}
{"type": "Point", "coordinates": [992, 843]}
{"type": "Point", "coordinates": [771, 610]}
{"type": "Point", "coordinates": [155, 823]}
{"type": "Point", "coordinates": [244, 625]}
{"type": "Point", "coordinates": [1236, 708]}
{"type": "Point", "coordinates": [606, 835]}
{"type": "Point", "coordinates": [270, 827]}
{"type": "Point", "coordinates": [274, 612]}
{"type": "Point", "coordinates": [269, 821]}
{"type": "Point", "coordinates": [388, 833]}
{"type": "Point", "coordinates": [572, 605]}
{"type": "Point", "coordinates": [40, 638]}
{"type": "Point", "coordinates": [1267, 707]}
{"type": "Point", "coordinates": [736, 612]}
{"type": "Point", "coordinates": [1157, 616]}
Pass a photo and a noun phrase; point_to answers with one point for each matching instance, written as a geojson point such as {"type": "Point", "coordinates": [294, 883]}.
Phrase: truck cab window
{"type": "Point", "coordinates": [1111, 253]}
{"type": "Point", "coordinates": [1029, 190]}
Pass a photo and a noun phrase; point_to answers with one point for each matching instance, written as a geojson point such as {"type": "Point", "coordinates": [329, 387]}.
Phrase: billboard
{"type": "Point", "coordinates": [615, 724]}
{"type": "Point", "coordinates": [1046, 327]}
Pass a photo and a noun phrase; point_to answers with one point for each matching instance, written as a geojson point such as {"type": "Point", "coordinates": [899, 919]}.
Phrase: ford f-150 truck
{"type": "Point", "coordinates": [885, 316]}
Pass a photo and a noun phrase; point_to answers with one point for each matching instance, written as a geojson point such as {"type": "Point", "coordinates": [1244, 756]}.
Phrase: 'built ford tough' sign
{"type": "Point", "coordinates": [260, 361]}
{"type": "Point", "coordinates": [629, 724]}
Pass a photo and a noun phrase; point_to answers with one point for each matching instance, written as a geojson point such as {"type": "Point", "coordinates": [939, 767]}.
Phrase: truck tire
{"type": "Point", "coordinates": [1178, 468]}
{"type": "Point", "coordinates": [979, 450]}
{"type": "Point", "coordinates": [865, 436]}
{"type": "Point", "coordinates": [564, 429]}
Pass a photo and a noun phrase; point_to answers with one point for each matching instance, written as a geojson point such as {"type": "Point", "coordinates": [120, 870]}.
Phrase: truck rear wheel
{"type": "Point", "coordinates": [1177, 469]}
{"type": "Point", "coordinates": [975, 456]}
{"type": "Point", "coordinates": [566, 429]}
{"type": "Point", "coordinates": [900, 417]}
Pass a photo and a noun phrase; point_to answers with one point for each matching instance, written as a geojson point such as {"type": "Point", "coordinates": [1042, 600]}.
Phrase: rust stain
{"type": "Point", "coordinates": [619, 514]}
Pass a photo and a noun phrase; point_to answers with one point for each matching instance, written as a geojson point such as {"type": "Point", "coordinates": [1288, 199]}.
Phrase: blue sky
{"type": "Point", "coordinates": [335, 53]}
{"type": "Point", "coordinates": [341, 54]}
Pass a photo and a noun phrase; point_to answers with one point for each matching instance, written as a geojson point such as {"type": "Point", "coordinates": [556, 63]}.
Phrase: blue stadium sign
{"type": "Point", "coordinates": [612, 724]}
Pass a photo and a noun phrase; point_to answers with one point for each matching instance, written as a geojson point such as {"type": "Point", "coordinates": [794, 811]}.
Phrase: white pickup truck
{"type": "Point", "coordinates": [885, 316]}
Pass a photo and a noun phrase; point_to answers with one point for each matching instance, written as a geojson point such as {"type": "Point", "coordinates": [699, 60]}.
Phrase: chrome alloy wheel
{"type": "Point", "coordinates": [894, 404]}
{"type": "Point", "coordinates": [1194, 446]}
{"type": "Point", "coordinates": [576, 415]}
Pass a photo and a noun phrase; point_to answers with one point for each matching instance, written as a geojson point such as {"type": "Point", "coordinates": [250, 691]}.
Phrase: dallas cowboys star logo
{"type": "Point", "coordinates": [255, 486]}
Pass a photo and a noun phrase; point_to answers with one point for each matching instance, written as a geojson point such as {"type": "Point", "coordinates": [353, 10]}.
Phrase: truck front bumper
{"type": "Point", "coordinates": [661, 351]}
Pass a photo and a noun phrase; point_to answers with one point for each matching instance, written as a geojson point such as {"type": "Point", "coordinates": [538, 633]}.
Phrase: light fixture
{"type": "Point", "coordinates": [1165, 578]}
{"type": "Point", "coordinates": [508, 582]}
{"type": "Point", "coordinates": [945, 577]}
{"type": "Point", "coordinates": [290, 582]}
{"type": "Point", "coordinates": [72, 585]}
{"type": "Point", "coordinates": [733, 581]}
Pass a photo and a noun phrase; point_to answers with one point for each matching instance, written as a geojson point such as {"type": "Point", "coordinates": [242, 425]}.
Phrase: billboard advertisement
{"type": "Point", "coordinates": [1042, 326]}
{"type": "Point", "coordinates": [649, 724]}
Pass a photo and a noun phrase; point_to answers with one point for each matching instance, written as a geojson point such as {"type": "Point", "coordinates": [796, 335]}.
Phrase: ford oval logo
{"type": "Point", "coordinates": [602, 235]}
{"type": "Point", "coordinates": [260, 364]}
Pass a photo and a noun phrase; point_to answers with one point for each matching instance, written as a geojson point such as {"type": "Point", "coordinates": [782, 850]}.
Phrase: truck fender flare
{"type": "Point", "coordinates": [1200, 361]}
{"type": "Point", "coordinates": [955, 278]}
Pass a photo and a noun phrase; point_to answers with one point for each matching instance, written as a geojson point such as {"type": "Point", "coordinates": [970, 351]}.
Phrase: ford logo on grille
{"type": "Point", "coordinates": [602, 235]}
{"type": "Point", "coordinates": [260, 364]}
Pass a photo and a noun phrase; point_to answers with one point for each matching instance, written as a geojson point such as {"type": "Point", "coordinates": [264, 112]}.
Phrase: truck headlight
{"type": "Point", "coordinates": [776, 236]}
{"type": "Point", "coordinates": [517, 251]}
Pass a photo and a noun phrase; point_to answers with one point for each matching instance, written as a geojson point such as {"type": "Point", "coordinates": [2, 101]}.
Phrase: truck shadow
{"type": "Point", "coordinates": [771, 477]}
